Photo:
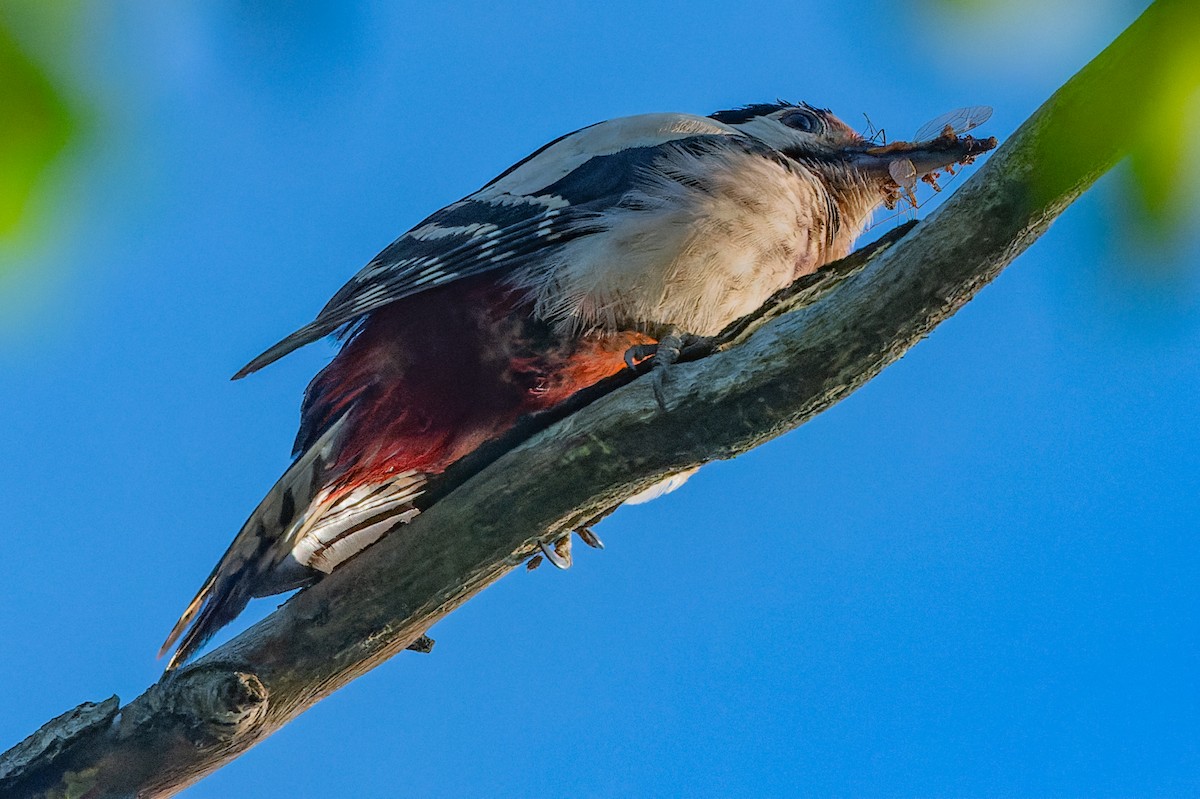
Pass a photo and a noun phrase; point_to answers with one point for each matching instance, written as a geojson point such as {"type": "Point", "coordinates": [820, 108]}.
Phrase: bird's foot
{"type": "Point", "coordinates": [559, 552]}
{"type": "Point", "coordinates": [666, 354]}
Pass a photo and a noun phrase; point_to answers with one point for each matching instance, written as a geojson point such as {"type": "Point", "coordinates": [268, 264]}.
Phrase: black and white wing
{"type": "Point", "coordinates": [537, 205]}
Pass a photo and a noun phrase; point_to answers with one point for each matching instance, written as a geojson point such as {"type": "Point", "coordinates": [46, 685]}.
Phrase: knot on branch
{"type": "Point", "coordinates": [212, 702]}
{"type": "Point", "coordinates": [231, 702]}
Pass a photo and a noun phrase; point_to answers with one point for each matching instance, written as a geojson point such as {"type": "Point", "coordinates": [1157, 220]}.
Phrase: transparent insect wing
{"type": "Point", "coordinates": [960, 121]}
{"type": "Point", "coordinates": [904, 173]}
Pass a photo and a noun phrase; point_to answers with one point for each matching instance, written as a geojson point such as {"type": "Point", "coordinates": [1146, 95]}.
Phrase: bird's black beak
{"type": "Point", "coordinates": [926, 157]}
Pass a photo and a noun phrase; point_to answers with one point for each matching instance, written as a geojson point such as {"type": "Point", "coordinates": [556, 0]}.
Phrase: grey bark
{"type": "Point", "coordinates": [807, 349]}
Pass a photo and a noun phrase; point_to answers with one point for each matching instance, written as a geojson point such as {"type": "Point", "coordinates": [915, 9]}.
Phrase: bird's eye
{"type": "Point", "coordinates": [801, 120]}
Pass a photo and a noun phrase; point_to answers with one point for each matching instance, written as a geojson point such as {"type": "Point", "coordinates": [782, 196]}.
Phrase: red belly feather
{"type": "Point", "coordinates": [430, 378]}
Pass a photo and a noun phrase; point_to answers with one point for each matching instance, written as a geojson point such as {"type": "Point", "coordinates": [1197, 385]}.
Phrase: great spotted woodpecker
{"type": "Point", "coordinates": [598, 246]}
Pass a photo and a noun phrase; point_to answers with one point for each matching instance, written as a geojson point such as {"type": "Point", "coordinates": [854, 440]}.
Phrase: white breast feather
{"type": "Point", "coordinates": [679, 255]}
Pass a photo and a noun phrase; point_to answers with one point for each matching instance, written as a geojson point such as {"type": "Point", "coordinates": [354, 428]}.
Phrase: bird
{"type": "Point", "coordinates": [615, 243]}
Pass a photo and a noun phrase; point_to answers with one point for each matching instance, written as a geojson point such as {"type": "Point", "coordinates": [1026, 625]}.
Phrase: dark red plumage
{"type": "Point", "coordinates": [428, 379]}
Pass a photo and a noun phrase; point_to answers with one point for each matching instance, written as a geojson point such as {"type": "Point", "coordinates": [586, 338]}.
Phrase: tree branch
{"type": "Point", "coordinates": [806, 350]}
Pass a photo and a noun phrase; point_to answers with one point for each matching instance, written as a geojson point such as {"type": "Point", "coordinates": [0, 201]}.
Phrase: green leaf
{"type": "Point", "coordinates": [35, 126]}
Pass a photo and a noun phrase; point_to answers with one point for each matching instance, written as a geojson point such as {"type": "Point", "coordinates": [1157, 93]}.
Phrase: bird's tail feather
{"type": "Point", "coordinates": [211, 611]}
{"type": "Point", "coordinates": [190, 613]}
{"type": "Point", "coordinates": [256, 562]}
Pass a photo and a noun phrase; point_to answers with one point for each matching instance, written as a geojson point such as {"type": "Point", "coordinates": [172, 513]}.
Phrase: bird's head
{"type": "Point", "coordinates": [849, 164]}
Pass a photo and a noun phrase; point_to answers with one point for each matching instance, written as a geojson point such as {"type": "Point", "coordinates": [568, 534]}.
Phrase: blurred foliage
{"type": "Point", "coordinates": [1149, 116]}
{"type": "Point", "coordinates": [1161, 152]}
{"type": "Point", "coordinates": [1147, 111]}
{"type": "Point", "coordinates": [35, 125]}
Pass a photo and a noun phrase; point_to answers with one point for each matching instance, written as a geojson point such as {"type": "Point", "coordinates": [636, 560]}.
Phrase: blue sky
{"type": "Point", "coordinates": [976, 576]}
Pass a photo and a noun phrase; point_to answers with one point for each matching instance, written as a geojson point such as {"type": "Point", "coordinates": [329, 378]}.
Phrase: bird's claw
{"type": "Point", "coordinates": [558, 553]}
{"type": "Point", "coordinates": [588, 536]}
{"type": "Point", "coordinates": [667, 350]}
{"type": "Point", "coordinates": [665, 354]}
{"type": "Point", "coordinates": [638, 353]}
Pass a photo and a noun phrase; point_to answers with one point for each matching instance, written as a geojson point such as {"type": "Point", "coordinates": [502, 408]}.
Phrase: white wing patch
{"type": "Point", "coordinates": [433, 231]}
{"type": "Point", "coordinates": [355, 520]}
{"type": "Point", "coordinates": [549, 201]}
{"type": "Point", "coordinates": [563, 157]}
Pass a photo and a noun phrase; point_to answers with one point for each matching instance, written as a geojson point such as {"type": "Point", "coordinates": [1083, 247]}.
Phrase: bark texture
{"type": "Point", "coordinates": [808, 348]}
